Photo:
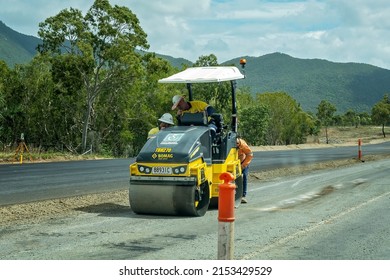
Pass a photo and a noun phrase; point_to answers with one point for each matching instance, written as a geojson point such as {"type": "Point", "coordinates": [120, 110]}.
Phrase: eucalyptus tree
{"type": "Point", "coordinates": [125, 119]}
{"type": "Point", "coordinates": [104, 43]}
{"type": "Point", "coordinates": [381, 113]}
{"type": "Point", "coordinates": [14, 104]}
{"type": "Point", "coordinates": [253, 124]}
{"type": "Point", "coordinates": [44, 121]}
{"type": "Point", "coordinates": [325, 112]}
{"type": "Point", "coordinates": [215, 94]}
{"type": "Point", "coordinates": [253, 118]}
{"type": "Point", "coordinates": [206, 60]}
{"type": "Point", "coordinates": [244, 97]}
{"type": "Point", "coordinates": [3, 70]}
{"type": "Point", "coordinates": [288, 123]}
{"type": "Point", "coordinates": [300, 126]}
{"type": "Point", "coordinates": [351, 118]}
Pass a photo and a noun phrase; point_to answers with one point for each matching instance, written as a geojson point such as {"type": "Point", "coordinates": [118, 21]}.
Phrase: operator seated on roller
{"type": "Point", "coordinates": [195, 106]}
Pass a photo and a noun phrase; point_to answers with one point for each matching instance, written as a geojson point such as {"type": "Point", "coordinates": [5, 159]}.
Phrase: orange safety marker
{"type": "Point", "coordinates": [360, 149]}
{"type": "Point", "coordinates": [226, 217]}
{"type": "Point", "coordinates": [226, 198]}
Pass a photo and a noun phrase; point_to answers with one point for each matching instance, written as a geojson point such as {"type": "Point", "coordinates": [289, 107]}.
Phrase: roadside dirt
{"type": "Point", "coordinates": [112, 201]}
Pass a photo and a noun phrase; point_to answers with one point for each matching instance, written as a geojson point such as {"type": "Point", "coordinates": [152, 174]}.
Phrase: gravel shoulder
{"type": "Point", "coordinates": [36, 212]}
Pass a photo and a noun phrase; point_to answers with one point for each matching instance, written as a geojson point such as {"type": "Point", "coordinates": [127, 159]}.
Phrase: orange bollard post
{"type": "Point", "coordinates": [226, 217]}
{"type": "Point", "coordinates": [360, 149]}
{"type": "Point", "coordinates": [226, 198]}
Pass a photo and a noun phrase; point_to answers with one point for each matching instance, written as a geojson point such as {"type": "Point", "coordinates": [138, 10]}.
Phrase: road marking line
{"type": "Point", "coordinates": [290, 237]}
{"type": "Point", "coordinates": [294, 182]}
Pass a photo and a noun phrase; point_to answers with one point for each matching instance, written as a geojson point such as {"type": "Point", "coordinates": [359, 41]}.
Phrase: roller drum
{"type": "Point", "coordinates": [168, 198]}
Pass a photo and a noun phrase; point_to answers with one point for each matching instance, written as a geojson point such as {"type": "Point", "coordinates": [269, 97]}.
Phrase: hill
{"type": "Point", "coordinates": [346, 85]}
{"type": "Point", "coordinates": [16, 48]}
{"type": "Point", "coordinates": [354, 86]}
{"type": "Point", "coordinates": [178, 63]}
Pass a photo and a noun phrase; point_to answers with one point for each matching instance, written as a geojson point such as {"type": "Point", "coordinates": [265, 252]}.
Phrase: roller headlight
{"type": "Point", "coordinates": [144, 169]}
{"type": "Point", "coordinates": [180, 169]}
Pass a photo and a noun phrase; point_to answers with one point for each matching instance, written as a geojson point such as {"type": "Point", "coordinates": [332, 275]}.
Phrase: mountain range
{"type": "Point", "coordinates": [355, 86]}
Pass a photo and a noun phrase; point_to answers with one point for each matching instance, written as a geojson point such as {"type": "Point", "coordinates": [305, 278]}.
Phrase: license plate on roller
{"type": "Point", "coordinates": [162, 170]}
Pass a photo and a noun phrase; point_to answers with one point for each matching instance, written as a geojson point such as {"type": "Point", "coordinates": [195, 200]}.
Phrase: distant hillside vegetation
{"type": "Point", "coordinates": [178, 63]}
{"type": "Point", "coordinates": [16, 48]}
{"type": "Point", "coordinates": [347, 85]}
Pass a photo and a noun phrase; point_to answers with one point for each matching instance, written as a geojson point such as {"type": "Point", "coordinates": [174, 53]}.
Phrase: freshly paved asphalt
{"type": "Point", "coordinates": [279, 159]}
{"type": "Point", "coordinates": [334, 214]}
{"type": "Point", "coordinates": [28, 182]}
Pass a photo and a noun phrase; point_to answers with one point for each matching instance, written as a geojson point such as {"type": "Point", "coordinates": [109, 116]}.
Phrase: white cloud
{"type": "Point", "coordinates": [262, 11]}
{"type": "Point", "coordinates": [317, 35]}
{"type": "Point", "coordinates": [336, 30]}
{"type": "Point", "coordinates": [24, 16]}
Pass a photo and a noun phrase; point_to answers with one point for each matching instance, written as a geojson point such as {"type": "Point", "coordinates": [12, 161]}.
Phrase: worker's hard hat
{"type": "Point", "coordinates": [166, 118]}
{"type": "Point", "coordinates": [175, 101]}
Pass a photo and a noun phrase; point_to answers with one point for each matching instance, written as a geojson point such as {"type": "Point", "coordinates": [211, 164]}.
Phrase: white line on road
{"type": "Point", "coordinates": [290, 237]}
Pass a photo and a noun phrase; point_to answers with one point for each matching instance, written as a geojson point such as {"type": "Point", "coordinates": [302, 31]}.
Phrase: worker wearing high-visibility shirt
{"type": "Point", "coordinates": [165, 121]}
{"type": "Point", "coordinates": [245, 155]}
{"type": "Point", "coordinates": [195, 106]}
{"type": "Point", "coordinates": [184, 106]}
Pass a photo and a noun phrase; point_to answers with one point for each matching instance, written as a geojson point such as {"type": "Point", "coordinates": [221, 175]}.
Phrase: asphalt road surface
{"type": "Point", "coordinates": [39, 181]}
{"type": "Point", "coordinates": [334, 214]}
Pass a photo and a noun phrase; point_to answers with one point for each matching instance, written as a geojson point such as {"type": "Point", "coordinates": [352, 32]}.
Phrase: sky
{"type": "Point", "coordinates": [335, 30]}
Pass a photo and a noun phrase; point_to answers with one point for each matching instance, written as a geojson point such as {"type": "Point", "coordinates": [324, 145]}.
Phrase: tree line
{"type": "Point", "coordinates": [277, 119]}
{"type": "Point", "coordinates": [93, 86]}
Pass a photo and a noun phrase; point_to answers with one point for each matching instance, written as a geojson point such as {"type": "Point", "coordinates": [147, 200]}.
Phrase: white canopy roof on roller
{"type": "Point", "coordinates": [205, 75]}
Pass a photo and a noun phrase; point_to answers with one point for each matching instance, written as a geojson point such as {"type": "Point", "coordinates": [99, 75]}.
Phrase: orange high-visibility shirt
{"type": "Point", "coordinates": [244, 153]}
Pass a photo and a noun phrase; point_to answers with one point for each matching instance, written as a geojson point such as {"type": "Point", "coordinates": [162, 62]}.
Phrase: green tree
{"type": "Point", "coordinates": [365, 118]}
{"type": "Point", "coordinates": [157, 96]}
{"type": "Point", "coordinates": [3, 71]}
{"type": "Point", "coordinates": [288, 123]}
{"type": "Point", "coordinates": [351, 118]}
{"type": "Point", "coordinates": [381, 113]}
{"type": "Point", "coordinates": [206, 60]}
{"type": "Point", "coordinates": [300, 126]}
{"type": "Point", "coordinates": [244, 98]}
{"type": "Point", "coordinates": [13, 121]}
{"type": "Point", "coordinates": [38, 107]}
{"type": "Point", "coordinates": [215, 94]}
{"type": "Point", "coordinates": [125, 119]}
{"type": "Point", "coordinates": [253, 124]}
{"type": "Point", "coordinates": [43, 122]}
{"type": "Point", "coordinates": [104, 44]}
{"type": "Point", "coordinates": [325, 111]}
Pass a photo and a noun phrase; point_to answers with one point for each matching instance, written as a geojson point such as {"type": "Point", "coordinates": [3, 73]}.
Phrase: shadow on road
{"type": "Point", "coordinates": [107, 209]}
{"type": "Point", "coordinates": [118, 210]}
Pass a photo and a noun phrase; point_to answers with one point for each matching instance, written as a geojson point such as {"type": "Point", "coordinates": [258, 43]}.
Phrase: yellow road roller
{"type": "Point", "coordinates": [177, 171]}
